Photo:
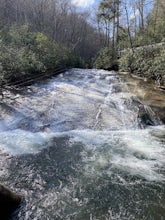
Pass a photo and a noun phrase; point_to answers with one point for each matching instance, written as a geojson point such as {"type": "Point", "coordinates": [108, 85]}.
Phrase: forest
{"type": "Point", "coordinates": [41, 36]}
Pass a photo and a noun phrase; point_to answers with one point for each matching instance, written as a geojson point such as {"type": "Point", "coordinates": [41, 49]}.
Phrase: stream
{"type": "Point", "coordinates": [79, 147]}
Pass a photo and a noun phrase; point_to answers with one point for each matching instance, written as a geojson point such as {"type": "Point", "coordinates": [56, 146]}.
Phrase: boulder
{"type": "Point", "coordinates": [9, 202]}
{"type": "Point", "coordinates": [147, 115]}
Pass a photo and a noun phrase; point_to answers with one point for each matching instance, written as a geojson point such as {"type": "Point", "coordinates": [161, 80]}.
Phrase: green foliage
{"type": "Point", "coordinates": [19, 36]}
{"type": "Point", "coordinates": [146, 61]}
{"type": "Point", "coordinates": [24, 53]}
{"type": "Point", "coordinates": [17, 59]}
{"type": "Point", "coordinates": [106, 59]}
{"type": "Point", "coordinates": [127, 61]}
{"type": "Point", "coordinates": [18, 63]}
{"type": "Point", "coordinates": [156, 22]}
{"type": "Point", "coordinates": [153, 31]}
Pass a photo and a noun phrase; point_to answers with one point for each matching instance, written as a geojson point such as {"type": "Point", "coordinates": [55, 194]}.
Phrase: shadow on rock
{"type": "Point", "coordinates": [9, 202]}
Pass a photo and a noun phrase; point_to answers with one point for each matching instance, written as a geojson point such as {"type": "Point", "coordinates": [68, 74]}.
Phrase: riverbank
{"type": "Point", "coordinates": [147, 62]}
{"type": "Point", "coordinates": [27, 56]}
{"type": "Point", "coordinates": [148, 93]}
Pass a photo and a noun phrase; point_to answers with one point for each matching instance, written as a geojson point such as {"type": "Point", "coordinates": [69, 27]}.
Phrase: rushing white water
{"type": "Point", "coordinates": [138, 152]}
{"type": "Point", "coordinates": [73, 146]}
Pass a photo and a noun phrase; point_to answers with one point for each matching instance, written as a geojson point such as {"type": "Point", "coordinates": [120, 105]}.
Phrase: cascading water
{"type": "Point", "coordinates": [73, 146]}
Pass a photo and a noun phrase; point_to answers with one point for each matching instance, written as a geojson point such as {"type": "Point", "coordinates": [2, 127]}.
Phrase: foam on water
{"type": "Point", "coordinates": [137, 152]}
{"type": "Point", "coordinates": [80, 152]}
{"type": "Point", "coordinates": [23, 142]}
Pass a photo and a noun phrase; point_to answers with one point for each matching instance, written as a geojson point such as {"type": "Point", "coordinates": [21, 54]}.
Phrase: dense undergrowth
{"type": "Point", "coordinates": [106, 59]}
{"type": "Point", "coordinates": [147, 61]}
{"type": "Point", "coordinates": [24, 54]}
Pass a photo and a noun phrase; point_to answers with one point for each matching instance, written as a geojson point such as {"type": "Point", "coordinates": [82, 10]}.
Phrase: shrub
{"type": "Point", "coordinates": [18, 63]}
{"type": "Point", "coordinates": [147, 61]}
{"type": "Point", "coordinates": [106, 59]}
{"type": "Point", "coordinates": [24, 53]}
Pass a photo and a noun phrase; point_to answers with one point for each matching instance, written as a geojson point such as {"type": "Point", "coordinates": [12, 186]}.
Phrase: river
{"type": "Point", "coordinates": [78, 148]}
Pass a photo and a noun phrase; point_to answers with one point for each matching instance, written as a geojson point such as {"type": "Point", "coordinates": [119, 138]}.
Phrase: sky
{"type": "Point", "coordinates": [84, 3]}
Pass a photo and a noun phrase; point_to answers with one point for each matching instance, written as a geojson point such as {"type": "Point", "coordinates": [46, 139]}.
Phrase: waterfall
{"type": "Point", "coordinates": [83, 145]}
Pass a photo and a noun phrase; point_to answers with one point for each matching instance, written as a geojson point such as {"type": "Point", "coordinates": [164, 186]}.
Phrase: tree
{"type": "Point", "coordinates": [140, 6]}
{"type": "Point", "coordinates": [58, 19]}
{"type": "Point", "coordinates": [108, 18]}
{"type": "Point", "coordinates": [156, 22]}
{"type": "Point", "coordinates": [128, 28]}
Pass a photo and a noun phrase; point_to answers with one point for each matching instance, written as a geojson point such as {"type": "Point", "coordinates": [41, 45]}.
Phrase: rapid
{"type": "Point", "coordinates": [78, 147]}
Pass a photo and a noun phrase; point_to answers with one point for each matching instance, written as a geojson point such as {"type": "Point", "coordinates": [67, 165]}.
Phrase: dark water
{"type": "Point", "coordinates": [75, 148]}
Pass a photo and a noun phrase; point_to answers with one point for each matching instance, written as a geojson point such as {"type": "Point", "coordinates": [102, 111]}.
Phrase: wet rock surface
{"type": "Point", "coordinates": [87, 144]}
{"type": "Point", "coordinates": [148, 95]}
{"type": "Point", "coordinates": [9, 202]}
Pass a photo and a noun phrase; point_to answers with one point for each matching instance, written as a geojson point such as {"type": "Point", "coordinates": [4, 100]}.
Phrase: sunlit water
{"type": "Point", "coordinates": [75, 148]}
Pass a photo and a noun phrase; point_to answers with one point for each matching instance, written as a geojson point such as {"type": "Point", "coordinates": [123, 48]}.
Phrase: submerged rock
{"type": "Point", "coordinates": [9, 202]}
{"type": "Point", "coordinates": [147, 116]}
{"type": "Point", "coordinates": [160, 111]}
